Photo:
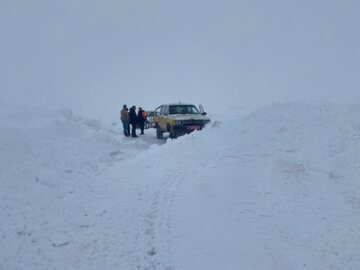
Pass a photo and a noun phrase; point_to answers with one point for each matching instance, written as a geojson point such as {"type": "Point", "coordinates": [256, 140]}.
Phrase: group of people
{"type": "Point", "coordinates": [130, 117]}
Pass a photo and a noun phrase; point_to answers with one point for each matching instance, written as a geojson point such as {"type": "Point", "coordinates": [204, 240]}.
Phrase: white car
{"type": "Point", "coordinates": [150, 119]}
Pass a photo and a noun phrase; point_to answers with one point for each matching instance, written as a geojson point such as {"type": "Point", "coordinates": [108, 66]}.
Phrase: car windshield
{"type": "Point", "coordinates": [183, 109]}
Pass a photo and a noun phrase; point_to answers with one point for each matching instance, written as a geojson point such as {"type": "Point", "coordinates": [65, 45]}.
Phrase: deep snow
{"type": "Point", "coordinates": [278, 189]}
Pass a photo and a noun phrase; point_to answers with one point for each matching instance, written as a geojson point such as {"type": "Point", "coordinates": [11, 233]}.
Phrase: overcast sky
{"type": "Point", "coordinates": [93, 56]}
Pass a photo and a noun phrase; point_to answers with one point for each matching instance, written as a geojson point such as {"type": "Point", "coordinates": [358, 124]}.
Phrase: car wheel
{"type": "Point", "coordinates": [172, 133]}
{"type": "Point", "coordinates": [159, 133]}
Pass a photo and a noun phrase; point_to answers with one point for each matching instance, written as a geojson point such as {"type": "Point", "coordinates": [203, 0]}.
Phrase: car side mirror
{"type": "Point", "coordinates": [201, 109]}
{"type": "Point", "coordinates": [204, 113]}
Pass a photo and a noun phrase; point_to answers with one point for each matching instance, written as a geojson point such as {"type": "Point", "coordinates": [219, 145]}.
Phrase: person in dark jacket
{"type": "Point", "coordinates": [141, 120]}
{"type": "Point", "coordinates": [133, 120]}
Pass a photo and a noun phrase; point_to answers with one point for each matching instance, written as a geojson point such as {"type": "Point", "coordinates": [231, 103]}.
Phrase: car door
{"type": "Point", "coordinates": [159, 116]}
{"type": "Point", "coordinates": [163, 119]}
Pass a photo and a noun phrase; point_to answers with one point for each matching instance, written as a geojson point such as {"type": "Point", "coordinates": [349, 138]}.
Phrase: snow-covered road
{"type": "Point", "coordinates": [276, 190]}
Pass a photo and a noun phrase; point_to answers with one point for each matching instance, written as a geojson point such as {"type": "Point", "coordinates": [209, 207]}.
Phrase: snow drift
{"type": "Point", "coordinates": [278, 189]}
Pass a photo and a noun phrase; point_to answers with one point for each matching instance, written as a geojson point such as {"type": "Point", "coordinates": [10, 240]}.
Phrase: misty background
{"type": "Point", "coordinates": [94, 56]}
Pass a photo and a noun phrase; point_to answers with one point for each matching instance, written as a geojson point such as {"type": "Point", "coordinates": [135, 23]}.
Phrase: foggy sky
{"type": "Point", "coordinates": [93, 56]}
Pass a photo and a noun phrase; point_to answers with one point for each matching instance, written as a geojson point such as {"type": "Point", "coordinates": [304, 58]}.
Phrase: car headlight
{"type": "Point", "coordinates": [179, 123]}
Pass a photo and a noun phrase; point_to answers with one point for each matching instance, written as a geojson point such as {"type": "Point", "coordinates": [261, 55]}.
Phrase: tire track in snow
{"type": "Point", "coordinates": [159, 218]}
{"type": "Point", "coordinates": [158, 222]}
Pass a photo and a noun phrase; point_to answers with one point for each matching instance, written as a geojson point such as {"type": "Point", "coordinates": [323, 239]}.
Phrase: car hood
{"type": "Point", "coordinates": [183, 117]}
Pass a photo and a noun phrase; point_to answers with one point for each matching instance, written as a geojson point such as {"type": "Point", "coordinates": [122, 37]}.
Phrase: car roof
{"type": "Point", "coordinates": [179, 103]}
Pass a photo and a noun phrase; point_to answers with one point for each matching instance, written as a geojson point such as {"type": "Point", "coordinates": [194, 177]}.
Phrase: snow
{"type": "Point", "coordinates": [277, 189]}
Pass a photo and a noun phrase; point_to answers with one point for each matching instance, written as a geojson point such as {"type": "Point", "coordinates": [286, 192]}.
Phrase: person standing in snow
{"type": "Point", "coordinates": [141, 120]}
{"type": "Point", "coordinates": [133, 119]}
{"type": "Point", "coordinates": [124, 116]}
